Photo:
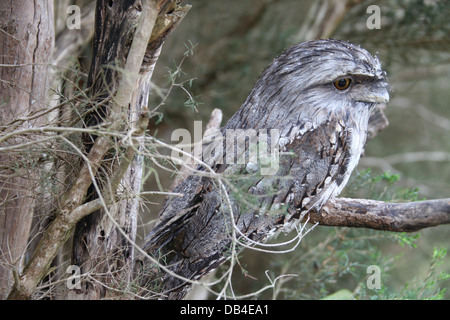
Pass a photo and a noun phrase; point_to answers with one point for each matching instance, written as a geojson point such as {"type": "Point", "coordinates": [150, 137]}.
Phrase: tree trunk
{"type": "Point", "coordinates": [26, 44]}
{"type": "Point", "coordinates": [104, 241]}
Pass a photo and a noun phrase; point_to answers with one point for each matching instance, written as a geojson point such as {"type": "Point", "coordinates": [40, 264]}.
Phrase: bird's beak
{"type": "Point", "coordinates": [379, 94]}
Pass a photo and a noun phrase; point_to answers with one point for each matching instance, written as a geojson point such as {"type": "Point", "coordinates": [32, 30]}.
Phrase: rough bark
{"type": "Point", "coordinates": [73, 205]}
{"type": "Point", "coordinates": [397, 217]}
{"type": "Point", "coordinates": [26, 44]}
{"type": "Point", "coordinates": [103, 242]}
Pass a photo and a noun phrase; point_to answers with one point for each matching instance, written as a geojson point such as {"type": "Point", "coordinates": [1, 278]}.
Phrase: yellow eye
{"type": "Point", "coordinates": [342, 84]}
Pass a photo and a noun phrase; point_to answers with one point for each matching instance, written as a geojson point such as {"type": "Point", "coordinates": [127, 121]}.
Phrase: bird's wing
{"type": "Point", "coordinates": [196, 228]}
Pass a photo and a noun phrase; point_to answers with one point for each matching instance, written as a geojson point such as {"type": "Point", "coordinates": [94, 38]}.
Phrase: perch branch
{"type": "Point", "coordinates": [379, 215]}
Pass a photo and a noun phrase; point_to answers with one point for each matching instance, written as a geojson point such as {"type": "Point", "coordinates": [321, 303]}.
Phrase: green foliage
{"type": "Point", "coordinates": [176, 78]}
{"type": "Point", "coordinates": [381, 187]}
{"type": "Point", "coordinates": [332, 263]}
{"type": "Point", "coordinates": [426, 287]}
{"type": "Point", "coordinates": [404, 238]}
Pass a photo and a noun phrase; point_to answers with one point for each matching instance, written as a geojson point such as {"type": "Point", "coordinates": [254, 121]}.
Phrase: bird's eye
{"type": "Point", "coordinates": [342, 84]}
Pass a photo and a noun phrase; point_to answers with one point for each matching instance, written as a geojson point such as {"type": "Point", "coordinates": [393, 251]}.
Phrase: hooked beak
{"type": "Point", "coordinates": [378, 94]}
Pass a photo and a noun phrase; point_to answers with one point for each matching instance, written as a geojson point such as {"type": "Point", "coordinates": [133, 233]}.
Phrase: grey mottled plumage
{"type": "Point", "coordinates": [322, 134]}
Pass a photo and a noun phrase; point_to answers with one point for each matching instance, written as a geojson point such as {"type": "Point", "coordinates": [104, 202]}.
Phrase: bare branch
{"type": "Point", "coordinates": [397, 217]}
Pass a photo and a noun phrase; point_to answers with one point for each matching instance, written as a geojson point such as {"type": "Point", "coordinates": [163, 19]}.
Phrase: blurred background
{"type": "Point", "coordinates": [229, 43]}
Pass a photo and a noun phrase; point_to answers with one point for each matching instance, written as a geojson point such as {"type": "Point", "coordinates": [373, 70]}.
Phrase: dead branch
{"type": "Point", "coordinates": [379, 215]}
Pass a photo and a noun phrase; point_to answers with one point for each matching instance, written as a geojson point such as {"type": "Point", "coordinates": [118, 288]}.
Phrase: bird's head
{"type": "Point", "coordinates": [317, 78]}
{"type": "Point", "coordinates": [349, 69]}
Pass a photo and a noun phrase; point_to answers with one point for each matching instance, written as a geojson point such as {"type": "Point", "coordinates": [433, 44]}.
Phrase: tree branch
{"type": "Point", "coordinates": [116, 224]}
{"type": "Point", "coordinates": [379, 215]}
{"type": "Point", "coordinates": [72, 208]}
